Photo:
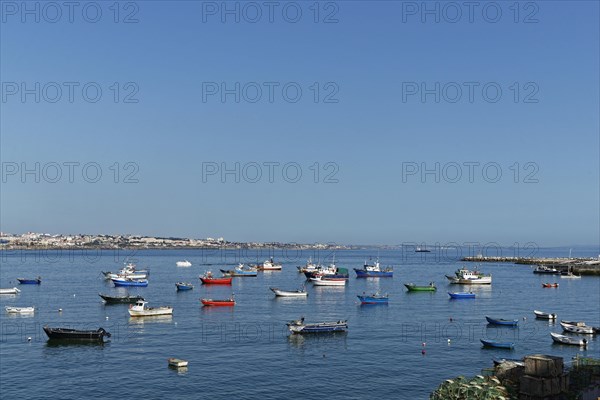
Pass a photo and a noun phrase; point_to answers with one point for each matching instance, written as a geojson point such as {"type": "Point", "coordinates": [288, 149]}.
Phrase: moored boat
{"type": "Point", "coordinates": [209, 279]}
{"type": "Point", "coordinates": [184, 263]}
{"type": "Point", "coordinates": [374, 271]}
{"type": "Point", "coordinates": [465, 277]}
{"type": "Point", "coordinates": [27, 281]}
{"type": "Point", "coordinates": [577, 328]}
{"type": "Point", "coordinates": [177, 363]}
{"type": "Point", "coordinates": [120, 299]}
{"type": "Point", "coordinates": [130, 282]}
{"type": "Point", "coordinates": [502, 321]}
{"type": "Point", "coordinates": [563, 339]}
{"type": "Point", "coordinates": [462, 295]}
{"type": "Point", "coordinates": [75, 334]}
{"type": "Point", "coordinates": [219, 303]}
{"type": "Point", "coordinates": [499, 345]}
{"type": "Point", "coordinates": [241, 270]}
{"type": "Point", "coordinates": [425, 288]}
{"type": "Point", "coordinates": [19, 310]}
{"type": "Point", "coordinates": [299, 327]}
{"type": "Point", "coordinates": [128, 271]}
{"type": "Point", "coordinates": [182, 286]}
{"type": "Point", "coordinates": [140, 309]}
{"type": "Point", "coordinates": [544, 270]}
{"type": "Point", "coordinates": [293, 293]}
{"type": "Point", "coordinates": [375, 298]}
{"type": "Point", "coordinates": [422, 250]}
{"type": "Point", "coordinates": [10, 291]}
{"type": "Point", "coordinates": [570, 275]}
{"type": "Point", "coordinates": [308, 267]}
{"type": "Point", "coordinates": [269, 265]}
{"type": "Point", "coordinates": [543, 315]}
{"type": "Point", "coordinates": [328, 281]}
{"type": "Point", "coordinates": [516, 361]}
{"type": "Point", "coordinates": [550, 285]}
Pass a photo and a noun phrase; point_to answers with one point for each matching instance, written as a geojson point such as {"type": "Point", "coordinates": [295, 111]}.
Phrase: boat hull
{"type": "Point", "coordinates": [581, 329]}
{"type": "Point", "coordinates": [126, 283]}
{"type": "Point", "coordinates": [24, 281]}
{"type": "Point", "coordinates": [562, 339]}
{"type": "Point", "coordinates": [10, 291]}
{"type": "Point", "coordinates": [151, 312]}
{"type": "Point", "coordinates": [182, 287]}
{"type": "Point", "coordinates": [504, 322]}
{"type": "Point", "coordinates": [218, 303]}
{"type": "Point", "coordinates": [284, 293]}
{"type": "Point", "coordinates": [361, 273]}
{"type": "Point", "coordinates": [120, 299]}
{"type": "Point", "coordinates": [76, 335]}
{"type": "Point", "coordinates": [323, 327]}
{"type": "Point", "coordinates": [498, 345]}
{"type": "Point", "coordinates": [415, 288]}
{"type": "Point", "coordinates": [461, 295]}
{"type": "Point", "coordinates": [239, 273]}
{"type": "Point", "coordinates": [372, 300]}
{"type": "Point", "coordinates": [543, 315]}
{"type": "Point", "coordinates": [20, 310]}
{"type": "Point", "coordinates": [216, 281]}
{"type": "Point", "coordinates": [328, 281]}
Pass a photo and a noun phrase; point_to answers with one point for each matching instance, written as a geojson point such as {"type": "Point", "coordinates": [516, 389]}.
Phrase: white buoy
{"type": "Point", "coordinates": [29, 339]}
{"type": "Point", "coordinates": [60, 310]}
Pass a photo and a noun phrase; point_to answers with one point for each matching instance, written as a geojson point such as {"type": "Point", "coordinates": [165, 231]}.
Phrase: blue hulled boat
{"type": "Point", "coordinates": [499, 345]}
{"type": "Point", "coordinates": [25, 281]}
{"type": "Point", "coordinates": [184, 286]}
{"type": "Point", "coordinates": [299, 327]}
{"type": "Point", "coordinates": [375, 298]}
{"type": "Point", "coordinates": [500, 321]}
{"type": "Point", "coordinates": [374, 271]}
{"type": "Point", "coordinates": [130, 282]}
{"type": "Point", "coordinates": [462, 295]}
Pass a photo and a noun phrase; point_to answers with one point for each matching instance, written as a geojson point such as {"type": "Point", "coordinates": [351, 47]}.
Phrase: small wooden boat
{"type": "Point", "coordinates": [415, 288]}
{"type": "Point", "coordinates": [577, 328]}
{"type": "Point", "coordinates": [219, 303]}
{"type": "Point", "coordinates": [550, 285]}
{"type": "Point", "coordinates": [120, 299]}
{"type": "Point", "coordinates": [140, 309]}
{"type": "Point", "coordinates": [19, 310]}
{"type": "Point", "coordinates": [324, 280]}
{"type": "Point", "coordinates": [184, 263]}
{"type": "Point", "coordinates": [10, 291]}
{"type": "Point", "coordinates": [299, 327]}
{"type": "Point", "coordinates": [209, 279]}
{"type": "Point", "coordinates": [26, 281]}
{"type": "Point", "coordinates": [515, 361]}
{"type": "Point", "coordinates": [543, 315]}
{"type": "Point", "coordinates": [177, 363]}
{"type": "Point", "coordinates": [241, 271]}
{"type": "Point", "coordinates": [74, 334]}
{"type": "Point", "coordinates": [499, 345]}
{"type": "Point", "coordinates": [544, 270]}
{"type": "Point", "coordinates": [130, 282]}
{"type": "Point", "coordinates": [295, 293]}
{"type": "Point", "coordinates": [375, 298]}
{"type": "Point", "coordinates": [374, 271]}
{"type": "Point", "coordinates": [181, 286]}
{"type": "Point", "coordinates": [462, 295]}
{"type": "Point", "coordinates": [562, 339]}
{"type": "Point", "coordinates": [502, 321]}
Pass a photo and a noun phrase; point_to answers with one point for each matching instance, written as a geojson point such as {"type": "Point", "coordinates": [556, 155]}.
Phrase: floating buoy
{"type": "Point", "coordinates": [448, 341]}
{"type": "Point", "coordinates": [73, 295]}
{"type": "Point", "coordinates": [60, 310]}
{"type": "Point", "coordinates": [424, 344]}
{"type": "Point", "coordinates": [450, 319]}
{"type": "Point", "coordinates": [29, 339]}
{"type": "Point", "coordinates": [107, 317]}
{"type": "Point", "coordinates": [423, 351]}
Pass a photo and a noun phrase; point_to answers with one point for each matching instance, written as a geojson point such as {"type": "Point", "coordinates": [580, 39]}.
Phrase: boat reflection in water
{"type": "Point", "coordinates": [150, 319]}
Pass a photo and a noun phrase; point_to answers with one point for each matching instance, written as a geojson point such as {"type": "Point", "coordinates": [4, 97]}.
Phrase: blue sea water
{"type": "Point", "coordinates": [245, 351]}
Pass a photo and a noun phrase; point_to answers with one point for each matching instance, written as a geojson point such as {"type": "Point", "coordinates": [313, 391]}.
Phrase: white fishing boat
{"type": "Point", "coordinates": [129, 271]}
{"type": "Point", "coordinates": [568, 340]}
{"type": "Point", "coordinates": [269, 265]}
{"type": "Point", "coordinates": [140, 309]}
{"type": "Point", "coordinates": [577, 328]}
{"type": "Point", "coordinates": [19, 310]}
{"type": "Point", "coordinates": [184, 263]}
{"type": "Point", "coordinates": [465, 277]}
{"type": "Point", "coordinates": [284, 293]}
{"type": "Point", "coordinates": [543, 315]}
{"type": "Point", "coordinates": [328, 281]}
{"type": "Point", "coordinates": [308, 267]}
{"type": "Point", "coordinates": [177, 363]}
{"type": "Point", "coordinates": [10, 291]}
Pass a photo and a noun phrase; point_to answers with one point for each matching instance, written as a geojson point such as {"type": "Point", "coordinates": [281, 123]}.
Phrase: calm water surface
{"type": "Point", "coordinates": [246, 351]}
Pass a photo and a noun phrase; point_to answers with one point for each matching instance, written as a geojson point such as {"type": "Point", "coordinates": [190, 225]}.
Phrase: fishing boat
{"type": "Point", "coordinates": [462, 295]}
{"type": "Point", "coordinates": [182, 286]}
{"type": "Point", "coordinates": [75, 334]}
{"type": "Point", "coordinates": [543, 315]}
{"type": "Point", "coordinates": [19, 310]}
{"type": "Point", "coordinates": [184, 263]}
{"type": "Point", "coordinates": [219, 303]}
{"type": "Point", "coordinates": [465, 277]}
{"type": "Point", "coordinates": [177, 363]}
{"type": "Point", "coordinates": [374, 271]}
{"type": "Point", "coordinates": [502, 321]}
{"type": "Point", "coordinates": [27, 281]}
{"type": "Point", "coordinates": [285, 293]}
{"type": "Point", "coordinates": [299, 327]}
{"type": "Point", "coordinates": [128, 271]}
{"type": "Point", "coordinates": [499, 345]}
{"type": "Point", "coordinates": [141, 309]}
{"type": "Point", "coordinates": [269, 265]}
{"type": "Point", "coordinates": [308, 267]}
{"type": "Point", "coordinates": [544, 270]}
{"type": "Point", "coordinates": [568, 340]}
{"type": "Point", "coordinates": [331, 271]}
{"type": "Point", "coordinates": [550, 285]}
{"type": "Point", "coordinates": [426, 288]}
{"type": "Point", "coordinates": [421, 250]}
{"type": "Point", "coordinates": [209, 279]}
{"type": "Point", "coordinates": [375, 298]}
{"type": "Point", "coordinates": [120, 299]}
{"type": "Point", "coordinates": [10, 291]}
{"type": "Point", "coordinates": [130, 282]}
{"type": "Point", "coordinates": [577, 328]}
{"type": "Point", "coordinates": [328, 281]}
{"type": "Point", "coordinates": [241, 270]}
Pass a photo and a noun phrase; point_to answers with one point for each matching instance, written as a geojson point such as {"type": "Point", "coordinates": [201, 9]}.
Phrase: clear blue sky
{"type": "Point", "coordinates": [370, 133]}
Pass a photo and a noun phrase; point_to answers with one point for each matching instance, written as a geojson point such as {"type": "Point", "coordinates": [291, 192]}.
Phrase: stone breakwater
{"type": "Point", "coordinates": [583, 266]}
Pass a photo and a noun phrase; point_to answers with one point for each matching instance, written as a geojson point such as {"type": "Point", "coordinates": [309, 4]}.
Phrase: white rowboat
{"type": "Point", "coordinates": [568, 340]}
{"type": "Point", "coordinates": [184, 263]}
{"type": "Point", "coordinates": [10, 291]}
{"type": "Point", "coordinates": [19, 310]}
{"type": "Point", "coordinates": [543, 315]}
{"type": "Point", "coordinates": [140, 309]}
{"type": "Point", "coordinates": [284, 293]}
{"type": "Point", "coordinates": [584, 329]}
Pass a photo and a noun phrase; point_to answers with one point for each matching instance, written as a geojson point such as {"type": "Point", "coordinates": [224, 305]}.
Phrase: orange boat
{"type": "Point", "coordinates": [220, 303]}
{"type": "Point", "coordinates": [549, 285]}
{"type": "Point", "coordinates": [209, 279]}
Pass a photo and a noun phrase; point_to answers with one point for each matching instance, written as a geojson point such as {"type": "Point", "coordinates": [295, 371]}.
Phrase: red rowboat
{"type": "Point", "coordinates": [549, 285]}
{"type": "Point", "coordinates": [222, 303]}
{"type": "Point", "coordinates": [208, 278]}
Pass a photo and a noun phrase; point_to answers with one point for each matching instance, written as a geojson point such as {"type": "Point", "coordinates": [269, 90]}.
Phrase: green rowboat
{"type": "Point", "coordinates": [414, 288]}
